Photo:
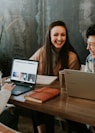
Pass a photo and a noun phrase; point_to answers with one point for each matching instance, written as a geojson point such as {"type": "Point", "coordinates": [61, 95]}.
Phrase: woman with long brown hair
{"type": "Point", "coordinates": [56, 54]}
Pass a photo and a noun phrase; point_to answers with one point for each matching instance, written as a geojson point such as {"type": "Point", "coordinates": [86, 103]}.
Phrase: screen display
{"type": "Point", "coordinates": [24, 70]}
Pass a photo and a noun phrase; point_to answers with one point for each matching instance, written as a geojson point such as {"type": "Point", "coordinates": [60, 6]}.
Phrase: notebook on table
{"type": "Point", "coordinates": [80, 84]}
{"type": "Point", "coordinates": [23, 74]}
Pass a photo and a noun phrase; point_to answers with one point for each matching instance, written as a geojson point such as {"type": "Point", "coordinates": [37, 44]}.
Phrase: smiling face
{"type": "Point", "coordinates": [91, 45]}
{"type": "Point", "coordinates": [58, 37]}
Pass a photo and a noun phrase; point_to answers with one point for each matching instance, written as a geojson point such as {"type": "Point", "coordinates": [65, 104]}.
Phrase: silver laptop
{"type": "Point", "coordinates": [80, 84]}
{"type": "Point", "coordinates": [23, 74]}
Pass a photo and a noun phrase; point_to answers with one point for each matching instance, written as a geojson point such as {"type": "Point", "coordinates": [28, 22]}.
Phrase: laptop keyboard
{"type": "Point", "coordinates": [19, 89]}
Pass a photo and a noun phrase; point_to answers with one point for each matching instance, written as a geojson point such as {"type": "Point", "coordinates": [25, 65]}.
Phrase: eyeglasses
{"type": "Point", "coordinates": [91, 45]}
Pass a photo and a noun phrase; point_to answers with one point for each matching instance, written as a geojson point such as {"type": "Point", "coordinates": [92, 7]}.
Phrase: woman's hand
{"type": "Point", "coordinates": [8, 86]}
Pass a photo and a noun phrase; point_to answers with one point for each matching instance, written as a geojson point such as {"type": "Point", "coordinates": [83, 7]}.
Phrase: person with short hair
{"type": "Point", "coordinates": [90, 60]}
{"type": "Point", "coordinates": [89, 67]}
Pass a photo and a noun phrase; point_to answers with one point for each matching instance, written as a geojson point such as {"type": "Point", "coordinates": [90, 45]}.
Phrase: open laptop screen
{"type": "Point", "coordinates": [24, 71]}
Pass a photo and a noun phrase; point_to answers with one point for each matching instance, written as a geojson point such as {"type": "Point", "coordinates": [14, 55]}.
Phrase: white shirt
{"type": "Point", "coordinates": [4, 97]}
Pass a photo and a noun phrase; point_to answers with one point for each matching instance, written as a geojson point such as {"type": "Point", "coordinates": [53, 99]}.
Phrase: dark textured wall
{"type": "Point", "coordinates": [23, 24]}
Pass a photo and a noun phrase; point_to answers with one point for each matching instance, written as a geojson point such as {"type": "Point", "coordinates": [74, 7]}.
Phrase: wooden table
{"type": "Point", "coordinates": [75, 109]}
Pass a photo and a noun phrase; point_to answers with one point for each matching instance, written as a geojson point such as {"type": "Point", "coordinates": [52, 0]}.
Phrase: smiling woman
{"type": "Point", "coordinates": [58, 37]}
{"type": "Point", "coordinates": [56, 54]}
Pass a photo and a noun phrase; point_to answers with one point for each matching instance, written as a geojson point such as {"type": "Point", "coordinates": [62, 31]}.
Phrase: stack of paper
{"type": "Point", "coordinates": [46, 80]}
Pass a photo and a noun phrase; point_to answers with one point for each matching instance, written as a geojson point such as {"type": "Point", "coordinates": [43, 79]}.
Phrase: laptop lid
{"type": "Point", "coordinates": [24, 71]}
{"type": "Point", "coordinates": [80, 84]}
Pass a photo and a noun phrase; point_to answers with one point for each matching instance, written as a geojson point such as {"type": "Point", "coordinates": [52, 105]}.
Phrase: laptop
{"type": "Point", "coordinates": [23, 74]}
{"type": "Point", "coordinates": [80, 84]}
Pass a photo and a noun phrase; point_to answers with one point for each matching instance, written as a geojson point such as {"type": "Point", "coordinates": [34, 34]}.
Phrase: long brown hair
{"type": "Point", "coordinates": [63, 54]}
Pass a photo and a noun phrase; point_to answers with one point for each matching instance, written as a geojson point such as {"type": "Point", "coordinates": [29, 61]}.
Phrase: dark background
{"type": "Point", "coordinates": [23, 24]}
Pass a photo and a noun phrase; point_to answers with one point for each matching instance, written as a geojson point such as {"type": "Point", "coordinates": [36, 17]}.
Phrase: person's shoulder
{"type": "Point", "coordinates": [72, 54]}
{"type": "Point", "coordinates": [89, 57]}
{"type": "Point", "coordinates": [40, 51]}
{"type": "Point", "coordinates": [73, 61]}
{"type": "Point", "coordinates": [37, 54]}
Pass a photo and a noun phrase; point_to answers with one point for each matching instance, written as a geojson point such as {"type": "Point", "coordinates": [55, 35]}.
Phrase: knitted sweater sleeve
{"type": "Point", "coordinates": [4, 97]}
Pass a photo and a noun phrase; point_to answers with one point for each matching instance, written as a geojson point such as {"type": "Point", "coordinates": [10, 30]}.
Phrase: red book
{"type": "Point", "coordinates": [43, 94]}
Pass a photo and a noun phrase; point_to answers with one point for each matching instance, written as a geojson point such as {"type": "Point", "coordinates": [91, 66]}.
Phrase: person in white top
{"type": "Point", "coordinates": [5, 94]}
{"type": "Point", "coordinates": [8, 114]}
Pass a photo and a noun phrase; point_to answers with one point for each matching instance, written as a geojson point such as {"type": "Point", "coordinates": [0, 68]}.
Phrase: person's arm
{"type": "Point", "coordinates": [73, 61]}
{"type": "Point", "coordinates": [5, 94]}
{"type": "Point", "coordinates": [39, 56]}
